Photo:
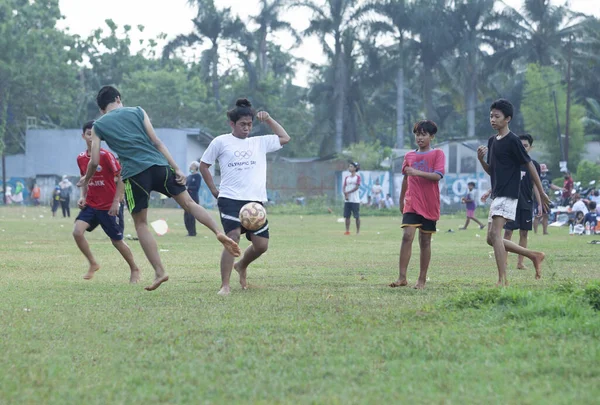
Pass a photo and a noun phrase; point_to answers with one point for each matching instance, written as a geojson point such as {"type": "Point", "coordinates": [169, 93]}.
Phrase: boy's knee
{"type": "Point", "coordinates": [261, 248]}
{"type": "Point", "coordinates": [78, 233]}
{"type": "Point", "coordinates": [490, 239]}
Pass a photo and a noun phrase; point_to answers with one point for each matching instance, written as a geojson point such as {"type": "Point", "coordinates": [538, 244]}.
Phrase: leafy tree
{"type": "Point", "coordinates": [538, 112]}
{"type": "Point", "coordinates": [213, 25]}
{"type": "Point", "coordinates": [588, 171]}
{"type": "Point", "coordinates": [38, 75]}
{"type": "Point", "coordinates": [330, 24]}
{"type": "Point", "coordinates": [592, 119]}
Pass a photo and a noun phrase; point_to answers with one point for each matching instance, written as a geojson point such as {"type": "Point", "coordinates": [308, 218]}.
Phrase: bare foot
{"type": "Point", "coordinates": [399, 283]}
{"type": "Point", "coordinates": [242, 273]}
{"type": "Point", "coordinates": [224, 291]}
{"type": "Point", "coordinates": [502, 283]}
{"type": "Point", "coordinates": [92, 270]}
{"type": "Point", "coordinates": [419, 286]}
{"type": "Point", "coordinates": [481, 226]}
{"type": "Point", "coordinates": [521, 266]}
{"type": "Point", "coordinates": [537, 263]}
{"type": "Point", "coordinates": [157, 282]}
{"type": "Point", "coordinates": [135, 276]}
{"type": "Point", "coordinates": [229, 244]}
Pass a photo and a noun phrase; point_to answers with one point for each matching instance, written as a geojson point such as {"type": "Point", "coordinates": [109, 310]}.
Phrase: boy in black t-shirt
{"type": "Point", "coordinates": [524, 218]}
{"type": "Point", "coordinates": [505, 155]}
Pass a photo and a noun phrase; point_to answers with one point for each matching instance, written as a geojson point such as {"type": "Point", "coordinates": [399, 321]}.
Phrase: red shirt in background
{"type": "Point", "coordinates": [423, 196]}
{"type": "Point", "coordinates": [102, 187]}
{"type": "Point", "coordinates": [568, 186]}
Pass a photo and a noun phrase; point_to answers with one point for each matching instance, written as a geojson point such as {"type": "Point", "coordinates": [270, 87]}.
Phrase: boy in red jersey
{"type": "Point", "coordinates": [420, 199]}
{"type": "Point", "coordinates": [100, 204]}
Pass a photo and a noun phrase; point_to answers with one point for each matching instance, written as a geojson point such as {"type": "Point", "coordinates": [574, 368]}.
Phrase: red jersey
{"type": "Point", "coordinates": [423, 196]}
{"type": "Point", "coordinates": [102, 186]}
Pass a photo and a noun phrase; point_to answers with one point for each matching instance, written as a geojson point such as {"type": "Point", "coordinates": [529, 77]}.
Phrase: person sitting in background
{"type": "Point", "coordinates": [389, 202]}
{"type": "Point", "coordinates": [592, 216]}
{"type": "Point", "coordinates": [579, 205]}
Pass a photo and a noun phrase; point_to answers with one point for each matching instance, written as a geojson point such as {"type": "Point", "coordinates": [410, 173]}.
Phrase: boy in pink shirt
{"type": "Point", "coordinates": [420, 199]}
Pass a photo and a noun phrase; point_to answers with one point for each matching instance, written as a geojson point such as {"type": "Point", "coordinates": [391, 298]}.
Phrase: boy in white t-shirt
{"type": "Point", "coordinates": [352, 197]}
{"type": "Point", "coordinates": [243, 164]}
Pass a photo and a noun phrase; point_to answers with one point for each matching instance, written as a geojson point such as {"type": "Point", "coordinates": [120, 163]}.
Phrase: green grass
{"type": "Point", "coordinates": [318, 325]}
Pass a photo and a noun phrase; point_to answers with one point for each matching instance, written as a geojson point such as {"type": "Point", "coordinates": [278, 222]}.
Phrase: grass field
{"type": "Point", "coordinates": [317, 326]}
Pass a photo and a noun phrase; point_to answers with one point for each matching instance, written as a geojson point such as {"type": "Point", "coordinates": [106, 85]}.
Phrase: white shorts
{"type": "Point", "coordinates": [503, 207]}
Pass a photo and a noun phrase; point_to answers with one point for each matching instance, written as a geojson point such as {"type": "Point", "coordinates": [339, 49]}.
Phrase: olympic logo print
{"type": "Point", "coordinates": [244, 154]}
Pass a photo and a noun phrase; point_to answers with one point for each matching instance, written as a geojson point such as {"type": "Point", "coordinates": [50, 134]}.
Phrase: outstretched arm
{"type": "Point", "coordinates": [277, 129]}
{"type": "Point", "coordinates": [162, 149]}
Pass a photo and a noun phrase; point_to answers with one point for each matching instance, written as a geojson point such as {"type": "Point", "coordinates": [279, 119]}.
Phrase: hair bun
{"type": "Point", "coordinates": [243, 102]}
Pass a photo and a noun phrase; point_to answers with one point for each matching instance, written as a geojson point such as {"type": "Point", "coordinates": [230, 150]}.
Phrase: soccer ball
{"type": "Point", "coordinates": [253, 216]}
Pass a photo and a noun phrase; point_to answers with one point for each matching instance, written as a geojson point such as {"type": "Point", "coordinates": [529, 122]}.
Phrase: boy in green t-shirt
{"type": "Point", "coordinates": [147, 166]}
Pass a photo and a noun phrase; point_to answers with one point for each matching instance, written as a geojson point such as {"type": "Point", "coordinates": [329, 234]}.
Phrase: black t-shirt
{"type": "Point", "coordinates": [193, 183]}
{"type": "Point", "coordinates": [526, 191]}
{"type": "Point", "coordinates": [505, 157]}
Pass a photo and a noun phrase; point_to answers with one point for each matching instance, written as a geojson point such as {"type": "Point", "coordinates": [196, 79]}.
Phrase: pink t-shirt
{"type": "Point", "coordinates": [423, 196]}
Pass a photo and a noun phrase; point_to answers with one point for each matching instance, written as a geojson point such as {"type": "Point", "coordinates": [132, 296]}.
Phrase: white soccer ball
{"type": "Point", "coordinates": [253, 216]}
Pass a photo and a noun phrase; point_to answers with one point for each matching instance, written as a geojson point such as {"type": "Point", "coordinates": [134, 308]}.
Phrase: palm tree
{"type": "Point", "coordinates": [592, 120]}
{"type": "Point", "coordinates": [268, 22]}
{"type": "Point", "coordinates": [540, 30]}
{"type": "Point", "coordinates": [329, 24]}
{"type": "Point", "coordinates": [212, 25]}
{"type": "Point", "coordinates": [394, 20]}
{"type": "Point", "coordinates": [434, 37]}
{"type": "Point", "coordinates": [479, 29]}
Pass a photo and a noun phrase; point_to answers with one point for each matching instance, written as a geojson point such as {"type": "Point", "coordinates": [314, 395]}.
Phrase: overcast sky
{"type": "Point", "coordinates": [173, 17]}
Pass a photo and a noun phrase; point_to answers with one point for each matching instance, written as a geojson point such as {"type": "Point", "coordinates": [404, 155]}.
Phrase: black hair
{"type": "Point", "coordinates": [527, 137]}
{"type": "Point", "coordinates": [425, 126]}
{"type": "Point", "coordinates": [503, 105]}
{"type": "Point", "coordinates": [107, 95]}
{"type": "Point", "coordinates": [355, 164]}
{"type": "Point", "coordinates": [592, 205]}
{"type": "Point", "coordinates": [243, 108]}
{"type": "Point", "coordinates": [471, 182]}
{"type": "Point", "coordinates": [87, 125]}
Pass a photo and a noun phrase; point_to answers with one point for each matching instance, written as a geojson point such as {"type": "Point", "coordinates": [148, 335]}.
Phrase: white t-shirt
{"type": "Point", "coordinates": [580, 206]}
{"type": "Point", "coordinates": [243, 164]}
{"type": "Point", "coordinates": [351, 182]}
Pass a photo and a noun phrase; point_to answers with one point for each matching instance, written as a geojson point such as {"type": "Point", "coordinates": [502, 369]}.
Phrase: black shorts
{"type": "Point", "coordinates": [353, 208]}
{"type": "Point", "coordinates": [419, 221]}
{"type": "Point", "coordinates": [113, 226]}
{"type": "Point", "coordinates": [523, 221]}
{"type": "Point", "coordinates": [154, 178]}
{"type": "Point", "coordinates": [230, 217]}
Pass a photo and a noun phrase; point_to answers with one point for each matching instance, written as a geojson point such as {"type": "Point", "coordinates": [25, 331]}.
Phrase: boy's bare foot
{"type": "Point", "coordinates": [419, 286]}
{"type": "Point", "coordinates": [157, 282]}
{"type": "Point", "coordinates": [92, 270]}
{"type": "Point", "coordinates": [502, 283]}
{"type": "Point", "coordinates": [135, 276]}
{"type": "Point", "coordinates": [229, 244]}
{"type": "Point", "coordinates": [242, 273]}
{"type": "Point", "coordinates": [399, 283]}
{"type": "Point", "coordinates": [224, 291]}
{"type": "Point", "coordinates": [521, 266]}
{"type": "Point", "coordinates": [481, 226]}
{"type": "Point", "coordinates": [537, 263]}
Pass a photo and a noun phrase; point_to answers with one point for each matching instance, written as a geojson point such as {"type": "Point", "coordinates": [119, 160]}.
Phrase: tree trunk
{"type": "Point", "coordinates": [215, 77]}
{"type": "Point", "coordinates": [3, 115]}
{"type": "Point", "coordinates": [261, 72]}
{"type": "Point", "coordinates": [400, 108]}
{"type": "Point", "coordinates": [428, 94]}
{"type": "Point", "coordinates": [471, 94]}
{"type": "Point", "coordinates": [340, 95]}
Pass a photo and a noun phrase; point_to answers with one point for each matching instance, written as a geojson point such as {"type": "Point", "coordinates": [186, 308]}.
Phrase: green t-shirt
{"type": "Point", "coordinates": [123, 131]}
